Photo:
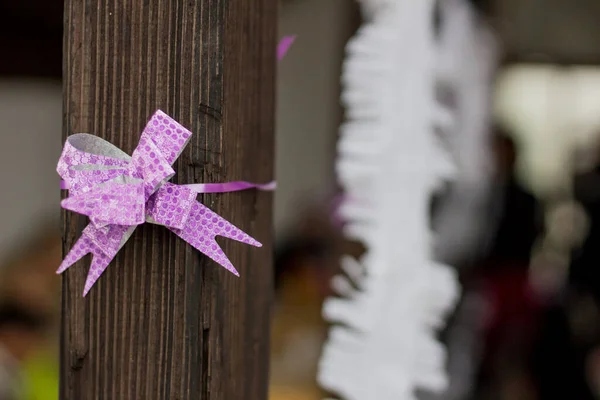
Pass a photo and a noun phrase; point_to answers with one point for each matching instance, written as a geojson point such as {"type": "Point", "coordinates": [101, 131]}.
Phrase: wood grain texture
{"type": "Point", "coordinates": [163, 321]}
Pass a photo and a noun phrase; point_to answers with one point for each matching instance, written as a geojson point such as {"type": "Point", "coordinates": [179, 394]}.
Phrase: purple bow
{"type": "Point", "coordinates": [118, 192]}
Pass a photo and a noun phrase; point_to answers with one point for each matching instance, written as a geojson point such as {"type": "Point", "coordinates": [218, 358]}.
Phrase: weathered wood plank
{"type": "Point", "coordinates": [165, 322]}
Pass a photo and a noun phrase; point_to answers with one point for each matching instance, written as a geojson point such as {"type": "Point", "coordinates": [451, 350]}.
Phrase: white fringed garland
{"type": "Point", "coordinates": [389, 164]}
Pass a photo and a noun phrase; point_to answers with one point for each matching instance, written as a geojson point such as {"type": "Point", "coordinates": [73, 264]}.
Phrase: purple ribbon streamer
{"type": "Point", "coordinates": [284, 45]}
{"type": "Point", "coordinates": [235, 186]}
{"type": "Point", "coordinates": [230, 187]}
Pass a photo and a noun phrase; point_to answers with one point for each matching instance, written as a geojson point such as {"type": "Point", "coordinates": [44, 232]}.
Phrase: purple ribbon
{"type": "Point", "coordinates": [284, 45]}
{"type": "Point", "coordinates": [230, 187]}
{"type": "Point", "coordinates": [118, 192]}
{"type": "Point", "coordinates": [216, 187]}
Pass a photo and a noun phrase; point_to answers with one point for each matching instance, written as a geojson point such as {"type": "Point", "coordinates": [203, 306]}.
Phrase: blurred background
{"type": "Point", "coordinates": [528, 324]}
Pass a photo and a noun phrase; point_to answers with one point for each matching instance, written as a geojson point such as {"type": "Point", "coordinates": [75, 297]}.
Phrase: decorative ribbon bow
{"type": "Point", "coordinates": [118, 192]}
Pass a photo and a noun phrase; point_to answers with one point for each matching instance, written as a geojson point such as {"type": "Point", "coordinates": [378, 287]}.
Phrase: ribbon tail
{"type": "Point", "coordinates": [203, 226]}
{"type": "Point", "coordinates": [219, 256]}
{"type": "Point", "coordinates": [81, 248]}
{"type": "Point", "coordinates": [100, 260]}
{"type": "Point", "coordinates": [238, 235]}
{"type": "Point", "coordinates": [99, 264]}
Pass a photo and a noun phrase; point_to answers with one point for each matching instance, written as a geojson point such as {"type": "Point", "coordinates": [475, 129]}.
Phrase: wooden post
{"type": "Point", "coordinates": [164, 321]}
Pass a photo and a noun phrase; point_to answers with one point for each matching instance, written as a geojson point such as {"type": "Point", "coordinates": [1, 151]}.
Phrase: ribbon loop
{"type": "Point", "coordinates": [149, 164]}
{"type": "Point", "coordinates": [88, 160]}
{"type": "Point", "coordinates": [168, 135]}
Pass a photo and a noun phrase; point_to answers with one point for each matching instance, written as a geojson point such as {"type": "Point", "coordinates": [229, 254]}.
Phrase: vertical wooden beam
{"type": "Point", "coordinates": [165, 322]}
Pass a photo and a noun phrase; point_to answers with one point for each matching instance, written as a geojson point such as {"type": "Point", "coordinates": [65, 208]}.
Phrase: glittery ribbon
{"type": "Point", "coordinates": [118, 192]}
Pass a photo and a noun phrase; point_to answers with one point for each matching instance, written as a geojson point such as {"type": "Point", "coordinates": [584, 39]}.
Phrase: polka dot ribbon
{"type": "Point", "coordinates": [118, 192]}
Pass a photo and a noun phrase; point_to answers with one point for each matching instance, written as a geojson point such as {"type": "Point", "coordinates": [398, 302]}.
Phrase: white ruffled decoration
{"type": "Point", "coordinates": [389, 164]}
